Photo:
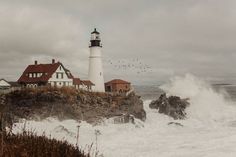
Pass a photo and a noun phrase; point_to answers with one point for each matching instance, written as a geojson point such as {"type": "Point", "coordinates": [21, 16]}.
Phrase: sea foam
{"type": "Point", "coordinates": [206, 131]}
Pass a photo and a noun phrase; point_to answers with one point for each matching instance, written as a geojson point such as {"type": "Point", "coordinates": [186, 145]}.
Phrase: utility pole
{"type": "Point", "coordinates": [77, 138]}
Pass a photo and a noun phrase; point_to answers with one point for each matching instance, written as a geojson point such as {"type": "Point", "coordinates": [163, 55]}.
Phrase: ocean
{"type": "Point", "coordinates": [208, 131]}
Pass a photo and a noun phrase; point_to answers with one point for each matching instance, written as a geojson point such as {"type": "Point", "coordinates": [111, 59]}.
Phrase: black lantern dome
{"type": "Point", "coordinates": [95, 39]}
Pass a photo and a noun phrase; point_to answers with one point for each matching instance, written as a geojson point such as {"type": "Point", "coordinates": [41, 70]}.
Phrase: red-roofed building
{"type": "Point", "coordinates": [86, 85]}
{"type": "Point", "coordinates": [53, 74]}
{"type": "Point", "coordinates": [117, 85]}
{"type": "Point", "coordinates": [77, 82]}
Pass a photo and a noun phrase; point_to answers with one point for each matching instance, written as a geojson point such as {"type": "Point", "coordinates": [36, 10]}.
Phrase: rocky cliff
{"type": "Point", "coordinates": [65, 103]}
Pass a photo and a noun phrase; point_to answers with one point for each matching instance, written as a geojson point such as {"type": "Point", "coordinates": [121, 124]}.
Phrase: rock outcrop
{"type": "Point", "coordinates": [172, 106]}
{"type": "Point", "coordinates": [68, 103]}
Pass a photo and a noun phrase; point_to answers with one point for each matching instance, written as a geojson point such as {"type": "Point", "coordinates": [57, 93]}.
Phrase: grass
{"type": "Point", "coordinates": [30, 145]}
{"type": "Point", "coordinates": [49, 94]}
{"type": "Point", "coordinates": [68, 93]}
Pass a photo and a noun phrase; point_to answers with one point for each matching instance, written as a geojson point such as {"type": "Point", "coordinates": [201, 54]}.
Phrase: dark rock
{"type": "Point", "coordinates": [172, 106]}
{"type": "Point", "coordinates": [175, 123]}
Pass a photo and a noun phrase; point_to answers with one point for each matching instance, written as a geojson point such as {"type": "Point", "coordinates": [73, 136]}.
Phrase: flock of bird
{"type": "Point", "coordinates": [134, 64]}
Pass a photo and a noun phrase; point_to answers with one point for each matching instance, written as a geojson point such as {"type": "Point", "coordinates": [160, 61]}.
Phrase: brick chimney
{"type": "Point", "coordinates": [53, 61]}
{"type": "Point", "coordinates": [35, 62]}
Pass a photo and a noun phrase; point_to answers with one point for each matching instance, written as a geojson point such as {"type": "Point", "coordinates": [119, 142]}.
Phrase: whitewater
{"type": "Point", "coordinates": [208, 131]}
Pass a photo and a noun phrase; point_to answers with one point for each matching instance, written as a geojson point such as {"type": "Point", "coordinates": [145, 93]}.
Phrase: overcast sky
{"type": "Point", "coordinates": [144, 41]}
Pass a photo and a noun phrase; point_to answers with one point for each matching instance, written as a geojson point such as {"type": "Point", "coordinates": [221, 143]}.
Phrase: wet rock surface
{"type": "Point", "coordinates": [72, 104]}
{"type": "Point", "coordinates": [172, 106]}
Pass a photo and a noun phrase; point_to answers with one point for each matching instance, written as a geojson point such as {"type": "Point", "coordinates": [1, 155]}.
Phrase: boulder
{"type": "Point", "coordinates": [172, 106]}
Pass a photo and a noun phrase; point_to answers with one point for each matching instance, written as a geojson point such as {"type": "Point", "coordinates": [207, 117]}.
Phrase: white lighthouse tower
{"type": "Point", "coordinates": [95, 62]}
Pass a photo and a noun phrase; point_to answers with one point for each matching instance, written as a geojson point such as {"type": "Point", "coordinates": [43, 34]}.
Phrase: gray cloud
{"type": "Point", "coordinates": [173, 37]}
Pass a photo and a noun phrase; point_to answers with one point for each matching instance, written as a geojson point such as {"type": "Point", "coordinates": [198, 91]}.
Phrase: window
{"type": "Point", "coordinates": [62, 75]}
{"type": "Point", "coordinates": [30, 75]}
{"type": "Point", "coordinates": [57, 75]}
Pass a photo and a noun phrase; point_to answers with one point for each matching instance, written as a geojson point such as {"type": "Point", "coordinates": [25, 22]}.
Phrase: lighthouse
{"type": "Point", "coordinates": [95, 62]}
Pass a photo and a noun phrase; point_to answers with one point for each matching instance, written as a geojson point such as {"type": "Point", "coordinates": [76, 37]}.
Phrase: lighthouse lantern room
{"type": "Point", "coordinates": [95, 62]}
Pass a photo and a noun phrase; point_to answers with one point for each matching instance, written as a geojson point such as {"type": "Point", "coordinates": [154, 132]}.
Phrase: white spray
{"type": "Point", "coordinates": [201, 135]}
{"type": "Point", "coordinates": [207, 105]}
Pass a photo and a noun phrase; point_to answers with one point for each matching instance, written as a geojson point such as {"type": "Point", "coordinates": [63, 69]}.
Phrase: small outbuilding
{"type": "Point", "coordinates": [117, 85]}
{"type": "Point", "coordinates": [4, 85]}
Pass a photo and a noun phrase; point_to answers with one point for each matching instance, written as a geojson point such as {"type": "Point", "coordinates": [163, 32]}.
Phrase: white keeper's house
{"type": "Point", "coordinates": [53, 74]}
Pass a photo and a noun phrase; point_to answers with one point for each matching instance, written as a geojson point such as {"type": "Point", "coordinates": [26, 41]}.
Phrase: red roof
{"type": "Point", "coordinates": [87, 82]}
{"type": "Point", "coordinates": [46, 69]}
{"type": "Point", "coordinates": [70, 76]}
{"type": "Point", "coordinates": [76, 81]}
{"type": "Point", "coordinates": [117, 81]}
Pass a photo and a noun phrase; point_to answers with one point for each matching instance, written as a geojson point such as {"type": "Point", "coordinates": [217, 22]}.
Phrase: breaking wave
{"type": "Point", "coordinates": [207, 105]}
